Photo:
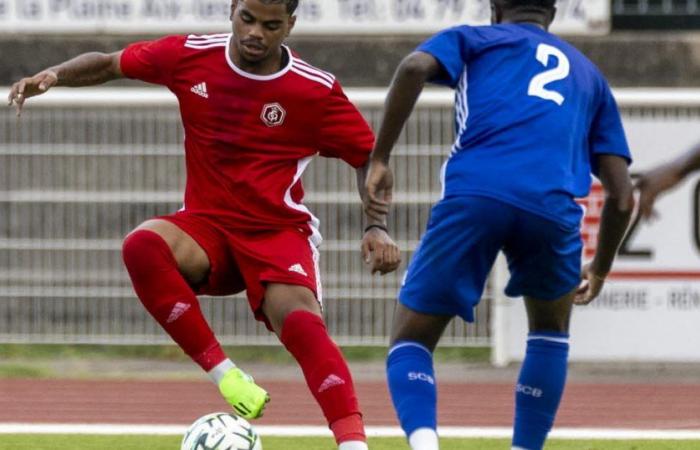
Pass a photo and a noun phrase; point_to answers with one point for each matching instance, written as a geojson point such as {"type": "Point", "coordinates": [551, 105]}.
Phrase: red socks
{"type": "Point", "coordinates": [350, 428]}
{"type": "Point", "coordinates": [167, 296]}
{"type": "Point", "coordinates": [305, 336]}
{"type": "Point", "coordinates": [170, 300]}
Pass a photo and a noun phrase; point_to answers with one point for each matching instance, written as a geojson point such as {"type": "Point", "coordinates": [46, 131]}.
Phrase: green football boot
{"type": "Point", "coordinates": [240, 391]}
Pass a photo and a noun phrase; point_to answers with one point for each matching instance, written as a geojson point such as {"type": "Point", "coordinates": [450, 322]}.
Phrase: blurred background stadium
{"type": "Point", "coordinates": [83, 167]}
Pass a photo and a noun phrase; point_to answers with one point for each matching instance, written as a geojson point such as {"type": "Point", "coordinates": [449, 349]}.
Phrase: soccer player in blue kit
{"type": "Point", "coordinates": [534, 118]}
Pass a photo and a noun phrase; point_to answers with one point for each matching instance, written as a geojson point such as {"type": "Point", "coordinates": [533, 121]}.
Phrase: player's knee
{"type": "Point", "coordinates": [551, 316]}
{"type": "Point", "coordinates": [407, 334]}
{"type": "Point", "coordinates": [279, 318]}
{"type": "Point", "coordinates": [549, 324]}
{"type": "Point", "coordinates": [141, 248]}
{"type": "Point", "coordinates": [412, 326]}
{"type": "Point", "coordinates": [281, 301]}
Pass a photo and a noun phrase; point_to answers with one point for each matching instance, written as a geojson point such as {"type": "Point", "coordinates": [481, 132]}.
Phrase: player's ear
{"type": "Point", "coordinates": [496, 13]}
{"type": "Point", "coordinates": [290, 23]}
{"type": "Point", "coordinates": [552, 15]}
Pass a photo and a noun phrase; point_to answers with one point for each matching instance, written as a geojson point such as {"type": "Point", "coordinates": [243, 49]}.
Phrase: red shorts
{"type": "Point", "coordinates": [247, 261]}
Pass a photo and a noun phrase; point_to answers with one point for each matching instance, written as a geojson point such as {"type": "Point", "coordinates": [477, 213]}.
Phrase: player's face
{"type": "Point", "coordinates": [259, 29]}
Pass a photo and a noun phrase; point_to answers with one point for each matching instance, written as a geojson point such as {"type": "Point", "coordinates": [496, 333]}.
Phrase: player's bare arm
{"type": "Point", "coordinates": [408, 83]}
{"type": "Point", "coordinates": [662, 178]}
{"type": "Point", "coordinates": [88, 69]}
{"type": "Point", "coordinates": [615, 218]}
{"type": "Point", "coordinates": [378, 249]}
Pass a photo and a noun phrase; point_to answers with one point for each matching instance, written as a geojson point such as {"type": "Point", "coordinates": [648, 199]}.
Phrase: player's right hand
{"type": "Point", "coordinates": [30, 87]}
{"type": "Point", "coordinates": [591, 285]}
{"type": "Point", "coordinates": [380, 252]}
{"type": "Point", "coordinates": [655, 182]}
{"type": "Point", "coordinates": [379, 185]}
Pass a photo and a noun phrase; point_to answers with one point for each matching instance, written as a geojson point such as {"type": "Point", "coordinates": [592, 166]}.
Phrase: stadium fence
{"type": "Point", "coordinates": [81, 168]}
{"type": "Point", "coordinates": [655, 14]}
{"type": "Point", "coordinates": [655, 7]}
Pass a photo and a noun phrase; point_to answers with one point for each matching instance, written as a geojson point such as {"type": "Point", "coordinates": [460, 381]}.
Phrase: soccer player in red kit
{"type": "Point", "coordinates": [254, 115]}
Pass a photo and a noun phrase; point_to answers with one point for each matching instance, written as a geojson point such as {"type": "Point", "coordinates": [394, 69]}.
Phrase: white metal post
{"type": "Point", "coordinates": [499, 314]}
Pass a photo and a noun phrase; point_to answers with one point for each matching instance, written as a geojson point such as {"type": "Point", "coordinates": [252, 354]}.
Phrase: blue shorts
{"type": "Point", "coordinates": [465, 233]}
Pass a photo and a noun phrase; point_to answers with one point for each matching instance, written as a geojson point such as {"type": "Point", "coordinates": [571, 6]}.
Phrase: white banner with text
{"type": "Point", "coordinates": [314, 16]}
{"type": "Point", "coordinates": [649, 310]}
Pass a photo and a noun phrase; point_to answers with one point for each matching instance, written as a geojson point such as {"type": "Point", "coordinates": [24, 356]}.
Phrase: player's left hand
{"type": "Point", "coordinates": [591, 285]}
{"type": "Point", "coordinates": [380, 251]}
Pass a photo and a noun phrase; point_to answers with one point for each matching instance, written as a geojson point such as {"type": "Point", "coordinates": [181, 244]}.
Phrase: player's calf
{"type": "Point", "coordinates": [540, 388]}
{"type": "Point", "coordinates": [168, 297]}
{"type": "Point", "coordinates": [305, 336]}
{"type": "Point", "coordinates": [170, 300]}
{"type": "Point", "coordinates": [412, 385]}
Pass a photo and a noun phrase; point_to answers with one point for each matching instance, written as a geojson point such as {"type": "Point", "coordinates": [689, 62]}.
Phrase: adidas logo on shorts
{"type": "Point", "coordinates": [298, 269]}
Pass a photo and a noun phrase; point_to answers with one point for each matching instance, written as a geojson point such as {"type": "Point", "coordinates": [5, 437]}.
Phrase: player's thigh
{"type": "Point", "coordinates": [414, 326]}
{"type": "Point", "coordinates": [448, 272]}
{"type": "Point", "coordinates": [191, 258]}
{"type": "Point", "coordinates": [281, 273]}
{"type": "Point", "coordinates": [284, 299]}
{"type": "Point", "coordinates": [544, 259]}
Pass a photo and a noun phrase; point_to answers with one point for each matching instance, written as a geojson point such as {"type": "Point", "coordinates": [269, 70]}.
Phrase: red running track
{"type": "Point", "coordinates": [642, 406]}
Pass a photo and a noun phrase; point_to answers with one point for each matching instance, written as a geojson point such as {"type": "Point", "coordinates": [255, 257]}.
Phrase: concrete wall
{"type": "Point", "coordinates": [627, 59]}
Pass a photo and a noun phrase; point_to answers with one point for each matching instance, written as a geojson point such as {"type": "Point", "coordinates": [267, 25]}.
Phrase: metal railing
{"type": "Point", "coordinates": [656, 14]}
{"type": "Point", "coordinates": [81, 168]}
{"type": "Point", "coordinates": [656, 7]}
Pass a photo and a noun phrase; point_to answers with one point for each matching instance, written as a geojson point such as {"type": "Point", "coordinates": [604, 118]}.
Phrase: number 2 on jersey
{"type": "Point", "coordinates": [539, 82]}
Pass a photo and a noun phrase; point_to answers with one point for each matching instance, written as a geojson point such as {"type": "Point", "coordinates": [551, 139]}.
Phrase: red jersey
{"type": "Point", "coordinates": [248, 138]}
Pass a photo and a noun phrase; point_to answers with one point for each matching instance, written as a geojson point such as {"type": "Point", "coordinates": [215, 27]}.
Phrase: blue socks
{"type": "Point", "coordinates": [411, 378]}
{"type": "Point", "coordinates": [540, 388]}
{"type": "Point", "coordinates": [409, 369]}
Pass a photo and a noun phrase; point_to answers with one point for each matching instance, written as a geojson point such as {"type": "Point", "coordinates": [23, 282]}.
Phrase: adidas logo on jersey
{"type": "Point", "coordinates": [200, 89]}
{"type": "Point", "coordinates": [178, 310]}
{"type": "Point", "coordinates": [298, 269]}
{"type": "Point", "coordinates": [332, 381]}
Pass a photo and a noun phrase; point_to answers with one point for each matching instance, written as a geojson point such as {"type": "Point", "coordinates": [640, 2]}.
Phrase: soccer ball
{"type": "Point", "coordinates": [221, 431]}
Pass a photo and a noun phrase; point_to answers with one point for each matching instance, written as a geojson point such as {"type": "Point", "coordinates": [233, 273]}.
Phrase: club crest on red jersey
{"type": "Point", "coordinates": [273, 114]}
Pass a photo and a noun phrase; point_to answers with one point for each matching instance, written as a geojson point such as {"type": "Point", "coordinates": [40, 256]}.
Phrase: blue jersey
{"type": "Point", "coordinates": [531, 113]}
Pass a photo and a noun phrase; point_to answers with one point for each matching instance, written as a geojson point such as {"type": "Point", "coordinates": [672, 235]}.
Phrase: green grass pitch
{"type": "Point", "coordinates": [86, 442]}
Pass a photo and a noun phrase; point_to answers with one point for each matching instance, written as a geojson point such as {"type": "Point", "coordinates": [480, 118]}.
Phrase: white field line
{"type": "Point", "coordinates": [268, 430]}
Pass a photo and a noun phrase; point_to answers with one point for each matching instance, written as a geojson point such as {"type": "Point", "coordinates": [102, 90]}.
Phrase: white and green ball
{"type": "Point", "coordinates": [221, 431]}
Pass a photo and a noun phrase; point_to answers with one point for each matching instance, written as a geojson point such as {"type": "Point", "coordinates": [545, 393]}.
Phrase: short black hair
{"type": "Point", "coordinates": [290, 4]}
{"type": "Point", "coordinates": [545, 4]}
